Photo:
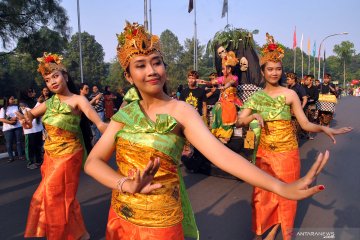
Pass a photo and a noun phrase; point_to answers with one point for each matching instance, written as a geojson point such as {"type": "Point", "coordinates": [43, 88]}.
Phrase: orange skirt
{"type": "Point", "coordinates": [120, 229]}
{"type": "Point", "coordinates": [54, 211]}
{"type": "Point", "coordinates": [229, 100]}
{"type": "Point", "coordinates": [268, 208]}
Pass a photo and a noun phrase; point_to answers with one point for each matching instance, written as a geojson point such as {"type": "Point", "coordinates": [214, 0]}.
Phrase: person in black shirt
{"type": "Point", "coordinates": [311, 90]}
{"type": "Point", "coordinates": [192, 159]}
{"type": "Point", "coordinates": [194, 95]}
{"type": "Point", "coordinates": [119, 98]}
{"type": "Point", "coordinates": [312, 94]}
{"type": "Point", "coordinates": [85, 123]}
{"type": "Point", "coordinates": [327, 87]}
{"type": "Point", "coordinates": [291, 80]}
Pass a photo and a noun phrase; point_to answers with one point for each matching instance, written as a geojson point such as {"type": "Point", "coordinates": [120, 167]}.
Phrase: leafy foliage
{"type": "Point", "coordinates": [115, 77]}
{"type": "Point", "coordinates": [17, 73]}
{"type": "Point", "coordinates": [94, 68]}
{"type": "Point", "coordinates": [22, 18]}
{"type": "Point", "coordinates": [44, 40]}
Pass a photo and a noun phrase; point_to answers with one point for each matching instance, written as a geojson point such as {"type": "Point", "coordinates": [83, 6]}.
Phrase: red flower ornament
{"type": "Point", "coordinates": [49, 59]}
{"type": "Point", "coordinates": [272, 47]}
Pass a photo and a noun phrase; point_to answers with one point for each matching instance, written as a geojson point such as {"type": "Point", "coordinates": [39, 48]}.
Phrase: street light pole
{"type": "Point", "coordinates": [146, 24]}
{"type": "Point", "coordinates": [80, 48]}
{"type": "Point", "coordinates": [343, 33]}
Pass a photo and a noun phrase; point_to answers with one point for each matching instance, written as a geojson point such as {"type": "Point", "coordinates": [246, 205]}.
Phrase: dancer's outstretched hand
{"type": "Point", "coordinates": [25, 120]}
{"type": "Point", "coordinates": [335, 131]}
{"type": "Point", "coordinates": [301, 188]}
{"type": "Point", "coordinates": [142, 181]}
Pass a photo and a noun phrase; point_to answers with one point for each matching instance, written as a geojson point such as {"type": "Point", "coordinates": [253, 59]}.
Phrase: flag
{"type": "Point", "coordinates": [301, 42]}
{"type": "Point", "coordinates": [191, 6]}
{"type": "Point", "coordinates": [225, 8]}
{"type": "Point", "coordinates": [308, 47]}
{"type": "Point", "coordinates": [294, 41]}
{"type": "Point", "coordinates": [314, 49]}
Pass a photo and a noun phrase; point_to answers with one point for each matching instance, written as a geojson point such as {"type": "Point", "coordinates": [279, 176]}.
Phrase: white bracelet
{"type": "Point", "coordinates": [120, 183]}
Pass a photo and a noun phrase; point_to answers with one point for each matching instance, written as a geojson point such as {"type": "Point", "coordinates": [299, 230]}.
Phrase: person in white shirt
{"type": "Point", "coordinates": [11, 128]}
{"type": "Point", "coordinates": [33, 140]}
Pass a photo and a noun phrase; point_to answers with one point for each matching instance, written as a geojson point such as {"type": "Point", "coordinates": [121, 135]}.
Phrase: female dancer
{"type": "Point", "coordinates": [151, 127]}
{"type": "Point", "coordinates": [54, 211]}
{"type": "Point", "coordinates": [278, 152]}
{"type": "Point", "coordinates": [225, 111]}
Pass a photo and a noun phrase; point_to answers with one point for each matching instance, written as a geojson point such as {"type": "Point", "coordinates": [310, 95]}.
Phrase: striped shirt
{"type": "Point", "coordinates": [99, 107]}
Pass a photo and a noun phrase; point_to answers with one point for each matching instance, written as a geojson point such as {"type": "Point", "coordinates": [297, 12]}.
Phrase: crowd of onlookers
{"type": "Point", "coordinates": [27, 144]}
{"type": "Point", "coordinates": [106, 103]}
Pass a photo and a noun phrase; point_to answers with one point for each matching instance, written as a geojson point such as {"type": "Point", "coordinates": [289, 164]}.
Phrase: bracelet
{"type": "Point", "coordinates": [120, 183]}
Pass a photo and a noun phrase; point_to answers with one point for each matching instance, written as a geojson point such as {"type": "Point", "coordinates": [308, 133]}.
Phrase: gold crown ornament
{"type": "Point", "coordinates": [134, 41]}
{"type": "Point", "coordinates": [50, 62]}
{"type": "Point", "coordinates": [230, 59]}
{"type": "Point", "coordinates": [271, 51]}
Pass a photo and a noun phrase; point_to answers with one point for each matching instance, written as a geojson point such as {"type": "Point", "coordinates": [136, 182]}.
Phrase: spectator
{"type": "Point", "coordinates": [85, 123]}
{"type": "Point", "coordinates": [109, 102]}
{"type": "Point", "coordinates": [98, 105]}
{"type": "Point", "coordinates": [44, 95]}
{"type": "Point", "coordinates": [33, 140]}
{"type": "Point", "coordinates": [119, 98]}
{"type": "Point", "coordinates": [11, 128]}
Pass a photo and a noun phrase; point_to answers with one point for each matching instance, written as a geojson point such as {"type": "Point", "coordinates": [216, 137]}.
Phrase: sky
{"type": "Point", "coordinates": [315, 19]}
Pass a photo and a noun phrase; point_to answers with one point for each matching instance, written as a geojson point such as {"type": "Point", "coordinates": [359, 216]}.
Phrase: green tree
{"type": "Point", "coordinates": [170, 47]}
{"type": "Point", "coordinates": [333, 66]}
{"type": "Point", "coordinates": [17, 73]}
{"type": "Point", "coordinates": [353, 71]}
{"type": "Point", "coordinates": [206, 64]}
{"type": "Point", "coordinates": [44, 40]}
{"type": "Point", "coordinates": [115, 77]}
{"type": "Point", "coordinates": [21, 18]}
{"type": "Point", "coordinates": [172, 52]}
{"type": "Point", "coordinates": [344, 51]}
{"type": "Point", "coordinates": [94, 68]}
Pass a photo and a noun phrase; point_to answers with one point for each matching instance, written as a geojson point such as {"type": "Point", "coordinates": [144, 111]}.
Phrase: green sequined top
{"type": "Point", "coordinates": [270, 109]}
{"type": "Point", "coordinates": [139, 129]}
{"type": "Point", "coordinates": [60, 115]}
{"type": "Point", "coordinates": [158, 134]}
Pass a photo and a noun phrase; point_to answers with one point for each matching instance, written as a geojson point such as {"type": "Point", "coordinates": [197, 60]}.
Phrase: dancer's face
{"type": "Point", "coordinates": [147, 73]}
{"type": "Point", "coordinates": [226, 71]}
{"type": "Point", "coordinates": [272, 72]}
{"type": "Point", "coordinates": [56, 81]}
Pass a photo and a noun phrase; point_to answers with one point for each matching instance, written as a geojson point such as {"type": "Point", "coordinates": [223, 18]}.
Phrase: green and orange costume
{"type": "Point", "coordinates": [164, 213]}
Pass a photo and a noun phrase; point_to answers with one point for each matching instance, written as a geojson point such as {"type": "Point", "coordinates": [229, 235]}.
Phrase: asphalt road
{"type": "Point", "coordinates": [221, 205]}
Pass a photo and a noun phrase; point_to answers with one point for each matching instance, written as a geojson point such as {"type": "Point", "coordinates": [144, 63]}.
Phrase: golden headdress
{"type": "Point", "coordinates": [50, 62]}
{"type": "Point", "coordinates": [133, 41]}
{"type": "Point", "coordinates": [230, 59]}
{"type": "Point", "coordinates": [271, 51]}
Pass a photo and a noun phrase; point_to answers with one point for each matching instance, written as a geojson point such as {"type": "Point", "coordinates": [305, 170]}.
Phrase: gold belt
{"type": "Point", "coordinates": [278, 136]}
